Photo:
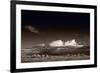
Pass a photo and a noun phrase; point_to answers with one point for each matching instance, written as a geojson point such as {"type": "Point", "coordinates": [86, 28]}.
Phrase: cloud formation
{"type": "Point", "coordinates": [56, 43]}
{"type": "Point", "coordinates": [59, 43]}
{"type": "Point", "coordinates": [70, 43]}
{"type": "Point", "coordinates": [32, 29]}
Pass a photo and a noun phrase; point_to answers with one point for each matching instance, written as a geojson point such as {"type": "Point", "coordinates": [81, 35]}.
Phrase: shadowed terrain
{"type": "Point", "coordinates": [44, 54]}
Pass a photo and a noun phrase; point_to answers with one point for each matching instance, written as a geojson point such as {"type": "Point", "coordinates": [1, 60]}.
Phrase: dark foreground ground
{"type": "Point", "coordinates": [54, 58]}
{"type": "Point", "coordinates": [54, 54]}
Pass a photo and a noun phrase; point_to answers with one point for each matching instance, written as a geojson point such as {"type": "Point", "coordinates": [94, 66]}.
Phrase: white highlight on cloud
{"type": "Point", "coordinates": [56, 43]}
{"type": "Point", "coordinates": [32, 29]}
{"type": "Point", "coordinates": [72, 43]}
{"type": "Point", "coordinates": [60, 43]}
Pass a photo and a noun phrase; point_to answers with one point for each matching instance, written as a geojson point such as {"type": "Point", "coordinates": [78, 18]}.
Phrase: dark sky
{"type": "Point", "coordinates": [62, 21]}
{"type": "Point", "coordinates": [55, 26]}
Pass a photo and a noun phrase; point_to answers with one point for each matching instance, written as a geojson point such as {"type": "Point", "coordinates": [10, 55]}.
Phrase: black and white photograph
{"type": "Point", "coordinates": [50, 36]}
{"type": "Point", "coordinates": [54, 36]}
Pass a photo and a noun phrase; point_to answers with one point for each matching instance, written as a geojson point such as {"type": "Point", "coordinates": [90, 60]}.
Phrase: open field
{"type": "Point", "coordinates": [38, 54]}
{"type": "Point", "coordinates": [54, 58]}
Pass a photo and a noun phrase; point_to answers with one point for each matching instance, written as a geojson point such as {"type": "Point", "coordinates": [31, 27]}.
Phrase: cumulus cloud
{"type": "Point", "coordinates": [56, 43]}
{"type": "Point", "coordinates": [59, 43]}
{"type": "Point", "coordinates": [71, 43]}
{"type": "Point", "coordinates": [32, 29]}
